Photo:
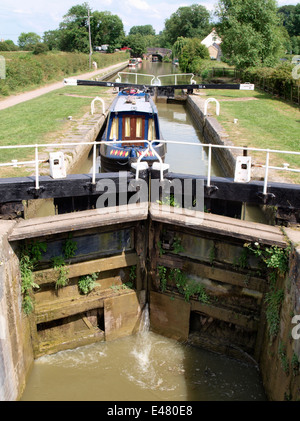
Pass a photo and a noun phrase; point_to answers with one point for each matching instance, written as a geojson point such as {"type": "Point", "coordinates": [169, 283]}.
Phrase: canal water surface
{"type": "Point", "coordinates": [142, 367]}
{"type": "Point", "coordinates": [147, 366]}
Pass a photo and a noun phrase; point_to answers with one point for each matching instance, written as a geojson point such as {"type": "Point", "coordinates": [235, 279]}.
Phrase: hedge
{"type": "Point", "coordinates": [277, 81]}
{"type": "Point", "coordinates": [28, 70]}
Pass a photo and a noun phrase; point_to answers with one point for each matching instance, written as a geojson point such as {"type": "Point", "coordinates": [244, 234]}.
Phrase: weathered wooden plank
{"type": "Point", "coordinates": [226, 315]}
{"type": "Point", "coordinates": [86, 268]}
{"type": "Point", "coordinates": [212, 272]}
{"type": "Point", "coordinates": [169, 317]}
{"type": "Point", "coordinates": [279, 194]}
{"type": "Point", "coordinates": [80, 339]}
{"type": "Point", "coordinates": [23, 188]}
{"type": "Point", "coordinates": [122, 314]}
{"type": "Point", "coordinates": [49, 225]}
{"type": "Point", "coordinates": [217, 224]}
{"type": "Point", "coordinates": [53, 310]}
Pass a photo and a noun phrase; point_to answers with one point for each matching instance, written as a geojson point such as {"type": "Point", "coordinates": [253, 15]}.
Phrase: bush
{"type": "Point", "coordinates": [23, 71]}
{"type": "Point", "coordinates": [40, 48]}
{"type": "Point", "coordinates": [4, 46]}
{"type": "Point", "coordinates": [191, 54]}
{"type": "Point", "coordinates": [277, 80]}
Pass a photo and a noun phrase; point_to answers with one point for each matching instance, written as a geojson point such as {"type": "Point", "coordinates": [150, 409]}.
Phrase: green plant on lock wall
{"type": "Point", "coordinates": [30, 255]}
{"type": "Point", "coordinates": [132, 274]}
{"type": "Point", "coordinates": [62, 270]}
{"type": "Point", "coordinates": [276, 262]}
{"type": "Point", "coordinates": [162, 272]}
{"type": "Point", "coordinates": [185, 286]}
{"type": "Point", "coordinates": [169, 201]}
{"type": "Point", "coordinates": [177, 246]}
{"type": "Point", "coordinates": [87, 283]}
{"type": "Point", "coordinates": [59, 262]}
{"type": "Point", "coordinates": [283, 358]}
{"type": "Point", "coordinates": [274, 258]}
{"type": "Point", "coordinates": [295, 365]}
{"type": "Point", "coordinates": [69, 247]}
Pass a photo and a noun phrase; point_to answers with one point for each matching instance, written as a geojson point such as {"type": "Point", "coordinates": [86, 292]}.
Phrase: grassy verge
{"type": "Point", "coordinates": [263, 122]}
{"type": "Point", "coordinates": [25, 71]}
{"type": "Point", "coordinates": [42, 120]}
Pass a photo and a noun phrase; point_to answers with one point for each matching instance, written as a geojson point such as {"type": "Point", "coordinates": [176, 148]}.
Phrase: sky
{"type": "Point", "coordinates": [17, 16]}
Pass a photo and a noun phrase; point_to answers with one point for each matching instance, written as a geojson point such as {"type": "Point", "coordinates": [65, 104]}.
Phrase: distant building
{"type": "Point", "coordinates": [212, 42]}
{"type": "Point", "coordinates": [101, 47]}
{"type": "Point", "coordinates": [157, 53]}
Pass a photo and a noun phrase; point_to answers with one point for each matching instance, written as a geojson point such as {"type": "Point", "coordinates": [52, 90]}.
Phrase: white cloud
{"type": "Point", "coordinates": [139, 4]}
{"type": "Point", "coordinates": [17, 16]}
{"type": "Point", "coordinates": [22, 12]}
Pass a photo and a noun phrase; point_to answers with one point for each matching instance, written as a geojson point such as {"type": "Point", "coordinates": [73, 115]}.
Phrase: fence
{"type": "Point", "coordinates": [210, 147]}
{"type": "Point", "coordinates": [288, 89]}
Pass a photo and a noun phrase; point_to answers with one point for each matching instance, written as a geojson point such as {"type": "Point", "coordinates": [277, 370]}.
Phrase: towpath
{"type": "Point", "coordinates": [17, 99]}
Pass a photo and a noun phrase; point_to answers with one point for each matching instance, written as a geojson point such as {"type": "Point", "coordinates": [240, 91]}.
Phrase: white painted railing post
{"type": "Point", "coordinates": [93, 105]}
{"type": "Point", "coordinates": [94, 164]}
{"type": "Point", "coordinates": [209, 166]}
{"type": "Point", "coordinates": [212, 100]}
{"type": "Point", "coordinates": [266, 173]}
{"type": "Point", "coordinates": [37, 181]}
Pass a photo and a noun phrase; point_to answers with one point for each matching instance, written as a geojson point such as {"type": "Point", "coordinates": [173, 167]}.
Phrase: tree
{"type": "Point", "coordinates": [290, 16]}
{"type": "Point", "coordinates": [152, 40]}
{"type": "Point", "coordinates": [26, 41]}
{"type": "Point", "coordinates": [137, 44]}
{"type": "Point", "coordinates": [74, 29]}
{"type": "Point", "coordinates": [52, 39]}
{"type": "Point", "coordinates": [251, 32]}
{"type": "Point", "coordinates": [107, 29]}
{"type": "Point", "coordinates": [179, 45]}
{"type": "Point", "coordinates": [295, 43]}
{"type": "Point", "coordinates": [142, 30]}
{"type": "Point", "coordinates": [8, 45]}
{"type": "Point", "coordinates": [189, 22]}
{"type": "Point", "coordinates": [295, 30]}
{"type": "Point", "coordinates": [191, 53]}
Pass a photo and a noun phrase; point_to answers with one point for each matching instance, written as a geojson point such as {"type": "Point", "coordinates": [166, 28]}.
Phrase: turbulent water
{"type": "Point", "coordinates": [142, 367]}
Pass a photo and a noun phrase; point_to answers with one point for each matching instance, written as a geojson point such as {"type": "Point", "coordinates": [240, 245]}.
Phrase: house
{"type": "Point", "coordinates": [212, 42]}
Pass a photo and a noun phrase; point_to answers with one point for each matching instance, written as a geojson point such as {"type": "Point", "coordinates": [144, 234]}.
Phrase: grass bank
{"type": "Point", "coordinates": [26, 71]}
{"type": "Point", "coordinates": [42, 120]}
{"type": "Point", "coordinates": [263, 122]}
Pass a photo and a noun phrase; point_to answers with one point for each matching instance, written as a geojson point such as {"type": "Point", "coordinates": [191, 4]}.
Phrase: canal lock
{"type": "Point", "coordinates": [148, 258]}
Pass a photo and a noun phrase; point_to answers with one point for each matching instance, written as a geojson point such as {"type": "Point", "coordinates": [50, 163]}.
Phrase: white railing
{"type": "Point", "coordinates": [176, 75]}
{"type": "Point", "coordinates": [155, 80]}
{"type": "Point", "coordinates": [97, 98]}
{"type": "Point", "coordinates": [120, 74]}
{"type": "Point", "coordinates": [210, 147]}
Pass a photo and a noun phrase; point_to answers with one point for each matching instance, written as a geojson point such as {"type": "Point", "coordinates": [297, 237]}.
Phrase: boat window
{"type": "Point", "coordinates": [151, 130]}
{"type": "Point", "coordinates": [138, 127]}
{"type": "Point", "coordinates": [133, 128]}
{"type": "Point", "coordinates": [114, 131]}
{"type": "Point", "coordinates": [127, 127]}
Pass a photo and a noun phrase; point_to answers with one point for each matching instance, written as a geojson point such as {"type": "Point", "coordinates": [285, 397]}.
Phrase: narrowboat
{"type": "Point", "coordinates": [132, 123]}
{"type": "Point", "coordinates": [133, 62]}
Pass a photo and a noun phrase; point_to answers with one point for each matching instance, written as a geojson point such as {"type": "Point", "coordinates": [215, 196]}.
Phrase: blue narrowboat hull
{"type": "Point", "coordinates": [132, 123]}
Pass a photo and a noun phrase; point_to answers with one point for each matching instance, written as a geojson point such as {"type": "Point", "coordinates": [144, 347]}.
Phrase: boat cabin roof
{"type": "Point", "coordinates": [133, 103]}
